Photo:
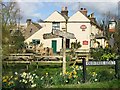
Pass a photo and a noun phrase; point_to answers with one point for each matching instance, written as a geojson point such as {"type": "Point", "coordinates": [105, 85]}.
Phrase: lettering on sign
{"type": "Point", "coordinates": [49, 36]}
{"type": "Point", "coordinates": [89, 63]}
{"type": "Point", "coordinates": [64, 34]}
{"type": "Point", "coordinates": [85, 42]}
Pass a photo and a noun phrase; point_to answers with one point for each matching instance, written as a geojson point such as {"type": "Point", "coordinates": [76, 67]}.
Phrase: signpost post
{"type": "Point", "coordinates": [64, 34]}
{"type": "Point", "coordinates": [64, 55]}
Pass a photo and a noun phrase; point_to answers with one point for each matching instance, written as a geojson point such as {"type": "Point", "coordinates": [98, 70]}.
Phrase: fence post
{"type": "Point", "coordinates": [117, 68]}
{"type": "Point", "coordinates": [84, 70]}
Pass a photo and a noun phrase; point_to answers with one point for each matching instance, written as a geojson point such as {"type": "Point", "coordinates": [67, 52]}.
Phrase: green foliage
{"type": "Point", "coordinates": [101, 73]}
{"type": "Point", "coordinates": [109, 56]}
{"type": "Point", "coordinates": [75, 45]}
{"type": "Point", "coordinates": [17, 42]}
{"type": "Point", "coordinates": [102, 54]}
{"type": "Point", "coordinates": [91, 86]}
{"type": "Point", "coordinates": [48, 76]}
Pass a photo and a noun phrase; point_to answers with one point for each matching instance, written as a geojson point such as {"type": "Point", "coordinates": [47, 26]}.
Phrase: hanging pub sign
{"type": "Point", "coordinates": [112, 25]}
{"type": "Point", "coordinates": [85, 42]}
{"type": "Point", "coordinates": [83, 27]}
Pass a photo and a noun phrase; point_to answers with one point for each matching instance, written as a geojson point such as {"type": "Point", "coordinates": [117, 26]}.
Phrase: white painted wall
{"type": "Point", "coordinates": [47, 28]}
{"type": "Point", "coordinates": [102, 42]}
{"type": "Point", "coordinates": [79, 19]}
{"type": "Point", "coordinates": [55, 16]}
{"type": "Point", "coordinates": [79, 34]}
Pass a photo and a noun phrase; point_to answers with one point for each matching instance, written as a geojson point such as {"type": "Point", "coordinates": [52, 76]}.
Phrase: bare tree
{"type": "Point", "coordinates": [10, 20]}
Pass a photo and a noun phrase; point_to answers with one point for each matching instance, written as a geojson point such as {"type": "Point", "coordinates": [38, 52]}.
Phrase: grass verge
{"type": "Point", "coordinates": [108, 84]}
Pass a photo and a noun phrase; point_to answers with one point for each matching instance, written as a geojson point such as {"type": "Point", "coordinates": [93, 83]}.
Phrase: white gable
{"type": "Point", "coordinates": [78, 16]}
{"type": "Point", "coordinates": [55, 16]}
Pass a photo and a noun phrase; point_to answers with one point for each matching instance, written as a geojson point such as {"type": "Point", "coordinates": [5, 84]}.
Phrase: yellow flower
{"type": "Point", "coordinates": [5, 80]}
{"type": "Point", "coordinates": [60, 74]}
{"type": "Point", "coordinates": [76, 67]}
{"type": "Point", "coordinates": [74, 72]}
{"type": "Point", "coordinates": [75, 76]}
{"type": "Point", "coordinates": [70, 76]}
{"type": "Point", "coordinates": [66, 73]}
{"type": "Point", "coordinates": [46, 73]}
{"type": "Point", "coordinates": [9, 83]}
{"type": "Point", "coordinates": [94, 74]}
{"type": "Point", "coordinates": [70, 73]}
{"type": "Point", "coordinates": [16, 78]}
{"type": "Point", "coordinates": [11, 77]}
{"type": "Point", "coordinates": [3, 77]}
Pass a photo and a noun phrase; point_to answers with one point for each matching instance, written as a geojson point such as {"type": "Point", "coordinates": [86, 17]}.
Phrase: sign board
{"type": "Point", "coordinates": [98, 63]}
{"type": "Point", "coordinates": [49, 36]}
{"type": "Point", "coordinates": [112, 26]}
{"type": "Point", "coordinates": [64, 34]}
{"type": "Point", "coordinates": [83, 26]}
{"type": "Point", "coordinates": [85, 42]}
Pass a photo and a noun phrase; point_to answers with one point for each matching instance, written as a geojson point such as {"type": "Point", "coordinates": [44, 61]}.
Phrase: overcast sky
{"type": "Point", "coordinates": [37, 9]}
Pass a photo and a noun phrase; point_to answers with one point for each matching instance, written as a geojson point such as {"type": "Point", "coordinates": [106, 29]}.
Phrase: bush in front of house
{"type": "Point", "coordinates": [103, 54]}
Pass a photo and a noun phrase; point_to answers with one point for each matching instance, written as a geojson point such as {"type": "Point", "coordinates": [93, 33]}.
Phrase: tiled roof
{"type": "Point", "coordinates": [37, 25]}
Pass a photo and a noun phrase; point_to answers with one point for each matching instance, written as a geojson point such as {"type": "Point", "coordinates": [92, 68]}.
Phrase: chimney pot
{"type": "Point", "coordinates": [65, 8]}
{"type": "Point", "coordinates": [84, 11]}
{"type": "Point", "coordinates": [28, 21]}
{"type": "Point", "coordinates": [81, 8]}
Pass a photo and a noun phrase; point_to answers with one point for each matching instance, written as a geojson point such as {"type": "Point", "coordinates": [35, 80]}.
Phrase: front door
{"type": "Point", "coordinates": [54, 46]}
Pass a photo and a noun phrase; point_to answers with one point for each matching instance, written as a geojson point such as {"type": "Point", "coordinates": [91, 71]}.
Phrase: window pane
{"type": "Point", "coordinates": [56, 25]}
{"type": "Point", "coordinates": [36, 41]}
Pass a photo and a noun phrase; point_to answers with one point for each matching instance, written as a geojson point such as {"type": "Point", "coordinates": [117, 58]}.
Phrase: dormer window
{"type": "Point", "coordinates": [55, 25]}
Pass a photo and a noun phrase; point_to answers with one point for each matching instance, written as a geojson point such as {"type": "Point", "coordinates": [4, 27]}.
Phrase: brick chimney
{"type": "Point", "coordinates": [64, 11]}
{"type": "Point", "coordinates": [83, 11]}
{"type": "Point", "coordinates": [92, 18]}
{"type": "Point", "coordinates": [28, 21]}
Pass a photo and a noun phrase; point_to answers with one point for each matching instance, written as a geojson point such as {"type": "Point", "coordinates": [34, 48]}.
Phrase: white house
{"type": "Point", "coordinates": [82, 26]}
{"type": "Point", "coordinates": [55, 21]}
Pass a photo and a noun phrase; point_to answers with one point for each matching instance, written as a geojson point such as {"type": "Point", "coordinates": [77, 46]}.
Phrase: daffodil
{"type": "Point", "coordinates": [5, 80]}
{"type": "Point", "coordinates": [74, 72]}
{"type": "Point", "coordinates": [95, 79]}
{"type": "Point", "coordinates": [3, 77]}
{"type": "Point", "coordinates": [16, 78]}
{"type": "Point", "coordinates": [94, 74]}
{"type": "Point", "coordinates": [46, 73]}
{"type": "Point", "coordinates": [33, 85]}
{"type": "Point", "coordinates": [16, 73]}
{"type": "Point", "coordinates": [76, 67]}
